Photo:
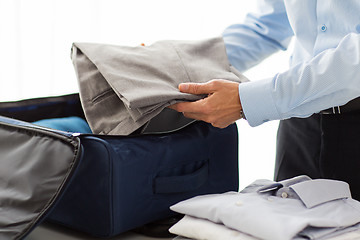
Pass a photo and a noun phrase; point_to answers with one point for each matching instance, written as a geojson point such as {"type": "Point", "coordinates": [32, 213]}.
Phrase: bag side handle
{"type": "Point", "coordinates": [185, 183]}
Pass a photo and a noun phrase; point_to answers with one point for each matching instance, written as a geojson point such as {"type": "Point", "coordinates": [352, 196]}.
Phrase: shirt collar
{"type": "Point", "coordinates": [310, 192]}
{"type": "Point", "coordinates": [318, 191]}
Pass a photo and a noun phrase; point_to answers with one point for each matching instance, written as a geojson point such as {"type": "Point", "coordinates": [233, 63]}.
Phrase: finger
{"type": "Point", "coordinates": [174, 106]}
{"type": "Point", "coordinates": [196, 116]}
{"type": "Point", "coordinates": [220, 125]}
{"type": "Point", "coordinates": [183, 107]}
{"type": "Point", "coordinates": [178, 107]}
{"type": "Point", "coordinates": [188, 106]}
{"type": "Point", "coordinates": [197, 88]}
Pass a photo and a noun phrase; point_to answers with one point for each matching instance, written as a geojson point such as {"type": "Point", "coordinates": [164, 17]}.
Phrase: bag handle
{"type": "Point", "coordinates": [185, 183]}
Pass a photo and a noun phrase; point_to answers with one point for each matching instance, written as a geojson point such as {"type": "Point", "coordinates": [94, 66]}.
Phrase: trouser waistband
{"type": "Point", "coordinates": [351, 107]}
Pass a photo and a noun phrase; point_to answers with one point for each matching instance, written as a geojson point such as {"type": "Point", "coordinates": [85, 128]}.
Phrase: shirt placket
{"type": "Point", "coordinates": [323, 21]}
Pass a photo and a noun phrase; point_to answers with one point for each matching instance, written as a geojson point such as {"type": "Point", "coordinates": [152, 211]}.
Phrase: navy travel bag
{"type": "Point", "coordinates": [120, 183]}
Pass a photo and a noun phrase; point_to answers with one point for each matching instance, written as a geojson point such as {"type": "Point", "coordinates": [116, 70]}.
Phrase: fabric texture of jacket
{"type": "Point", "coordinates": [122, 88]}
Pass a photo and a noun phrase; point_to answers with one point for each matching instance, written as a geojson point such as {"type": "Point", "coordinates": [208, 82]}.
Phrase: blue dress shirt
{"type": "Point", "coordinates": [324, 67]}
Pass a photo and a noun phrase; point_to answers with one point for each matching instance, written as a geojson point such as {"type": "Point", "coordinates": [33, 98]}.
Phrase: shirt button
{"type": "Point", "coordinates": [323, 28]}
{"type": "Point", "coordinates": [238, 203]}
{"type": "Point", "coordinates": [284, 195]}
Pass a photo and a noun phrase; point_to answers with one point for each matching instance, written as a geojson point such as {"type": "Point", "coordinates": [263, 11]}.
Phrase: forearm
{"type": "Point", "coordinates": [330, 79]}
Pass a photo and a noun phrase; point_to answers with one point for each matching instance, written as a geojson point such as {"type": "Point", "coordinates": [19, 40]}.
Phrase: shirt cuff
{"type": "Point", "coordinates": [257, 102]}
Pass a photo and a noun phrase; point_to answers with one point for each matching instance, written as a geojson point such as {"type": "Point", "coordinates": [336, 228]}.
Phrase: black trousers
{"type": "Point", "coordinates": [321, 146]}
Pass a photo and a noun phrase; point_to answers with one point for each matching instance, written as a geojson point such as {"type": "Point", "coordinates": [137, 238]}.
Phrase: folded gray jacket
{"type": "Point", "coordinates": [124, 89]}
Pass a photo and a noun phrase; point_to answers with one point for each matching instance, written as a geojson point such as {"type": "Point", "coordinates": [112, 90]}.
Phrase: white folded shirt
{"type": "Point", "coordinates": [202, 229]}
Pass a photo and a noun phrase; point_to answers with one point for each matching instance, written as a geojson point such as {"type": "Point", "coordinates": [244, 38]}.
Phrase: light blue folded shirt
{"type": "Point", "coordinates": [298, 208]}
{"type": "Point", "coordinates": [324, 68]}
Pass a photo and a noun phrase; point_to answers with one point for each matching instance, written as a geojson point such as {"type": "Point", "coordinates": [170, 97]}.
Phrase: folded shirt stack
{"type": "Point", "coordinates": [297, 208]}
{"type": "Point", "coordinates": [122, 88]}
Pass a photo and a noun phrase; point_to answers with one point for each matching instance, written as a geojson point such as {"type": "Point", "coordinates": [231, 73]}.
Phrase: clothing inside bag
{"type": "Point", "coordinates": [67, 124]}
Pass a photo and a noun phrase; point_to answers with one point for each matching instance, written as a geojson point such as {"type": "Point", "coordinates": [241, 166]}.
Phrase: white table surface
{"type": "Point", "coordinates": [48, 231]}
{"type": "Point", "coordinates": [53, 232]}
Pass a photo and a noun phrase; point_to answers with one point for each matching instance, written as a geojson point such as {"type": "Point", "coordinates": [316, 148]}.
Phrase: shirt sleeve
{"type": "Point", "coordinates": [329, 79]}
{"type": "Point", "coordinates": [261, 35]}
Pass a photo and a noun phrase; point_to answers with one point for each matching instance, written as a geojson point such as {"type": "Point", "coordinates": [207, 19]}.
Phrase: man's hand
{"type": "Point", "coordinates": [220, 108]}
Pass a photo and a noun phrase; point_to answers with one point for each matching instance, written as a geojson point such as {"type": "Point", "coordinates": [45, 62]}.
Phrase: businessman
{"type": "Point", "coordinates": [316, 99]}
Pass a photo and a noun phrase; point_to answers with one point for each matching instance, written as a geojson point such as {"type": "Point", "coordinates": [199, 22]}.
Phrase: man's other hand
{"type": "Point", "coordinates": [220, 108]}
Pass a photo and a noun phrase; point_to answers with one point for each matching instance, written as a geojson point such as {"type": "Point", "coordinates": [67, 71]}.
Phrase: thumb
{"type": "Point", "coordinates": [196, 88]}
